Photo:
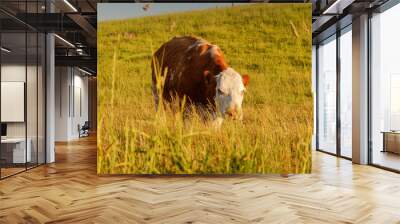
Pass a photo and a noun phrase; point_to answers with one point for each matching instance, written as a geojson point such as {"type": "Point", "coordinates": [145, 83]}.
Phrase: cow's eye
{"type": "Point", "coordinates": [220, 92]}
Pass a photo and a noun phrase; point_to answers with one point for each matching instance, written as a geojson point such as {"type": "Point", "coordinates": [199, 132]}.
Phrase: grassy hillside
{"type": "Point", "coordinates": [270, 42]}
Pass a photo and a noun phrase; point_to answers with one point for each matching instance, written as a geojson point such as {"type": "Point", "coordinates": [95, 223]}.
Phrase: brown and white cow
{"type": "Point", "coordinates": [197, 69]}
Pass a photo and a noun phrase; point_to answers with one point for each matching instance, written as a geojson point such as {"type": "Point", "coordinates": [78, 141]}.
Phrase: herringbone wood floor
{"type": "Point", "coordinates": [69, 191]}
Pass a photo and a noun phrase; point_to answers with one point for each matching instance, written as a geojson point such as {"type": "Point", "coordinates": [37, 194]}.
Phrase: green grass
{"type": "Point", "coordinates": [270, 42]}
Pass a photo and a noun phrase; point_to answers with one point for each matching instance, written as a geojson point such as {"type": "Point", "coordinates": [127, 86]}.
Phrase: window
{"type": "Point", "coordinates": [395, 102]}
{"type": "Point", "coordinates": [327, 95]}
{"type": "Point", "coordinates": [385, 89]}
{"type": "Point", "coordinates": [346, 75]}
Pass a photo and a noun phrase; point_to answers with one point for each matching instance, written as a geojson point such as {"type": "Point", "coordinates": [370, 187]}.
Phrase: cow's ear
{"type": "Point", "coordinates": [245, 79]}
{"type": "Point", "coordinates": [203, 48]}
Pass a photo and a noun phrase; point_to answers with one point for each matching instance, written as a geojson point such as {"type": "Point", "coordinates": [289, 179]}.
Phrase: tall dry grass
{"type": "Point", "coordinates": [272, 43]}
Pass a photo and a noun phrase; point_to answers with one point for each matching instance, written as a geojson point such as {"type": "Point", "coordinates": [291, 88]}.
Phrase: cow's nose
{"type": "Point", "coordinates": [231, 111]}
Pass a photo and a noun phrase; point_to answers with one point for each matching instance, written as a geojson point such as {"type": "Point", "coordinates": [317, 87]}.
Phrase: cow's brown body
{"type": "Point", "coordinates": [190, 65]}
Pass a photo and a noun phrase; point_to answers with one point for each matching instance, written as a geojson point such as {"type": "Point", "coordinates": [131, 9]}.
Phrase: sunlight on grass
{"type": "Point", "coordinates": [271, 43]}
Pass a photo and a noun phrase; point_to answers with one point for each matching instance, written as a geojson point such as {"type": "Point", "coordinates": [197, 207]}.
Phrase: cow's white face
{"type": "Point", "coordinates": [229, 93]}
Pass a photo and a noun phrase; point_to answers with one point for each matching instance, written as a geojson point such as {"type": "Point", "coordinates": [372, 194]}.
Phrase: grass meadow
{"type": "Point", "coordinates": [270, 42]}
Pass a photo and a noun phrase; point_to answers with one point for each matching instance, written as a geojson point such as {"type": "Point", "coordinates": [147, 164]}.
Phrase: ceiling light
{"type": "Point", "coordinates": [70, 5]}
{"type": "Point", "coordinates": [79, 51]}
{"type": "Point", "coordinates": [5, 50]}
{"type": "Point", "coordinates": [84, 71]}
{"type": "Point", "coordinates": [333, 6]}
{"type": "Point", "coordinates": [337, 7]}
{"type": "Point", "coordinates": [65, 41]}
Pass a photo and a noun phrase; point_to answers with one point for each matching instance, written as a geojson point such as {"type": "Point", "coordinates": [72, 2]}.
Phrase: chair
{"type": "Point", "coordinates": [84, 130]}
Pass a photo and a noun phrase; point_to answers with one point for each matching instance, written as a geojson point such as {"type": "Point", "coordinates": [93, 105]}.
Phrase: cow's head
{"type": "Point", "coordinates": [229, 95]}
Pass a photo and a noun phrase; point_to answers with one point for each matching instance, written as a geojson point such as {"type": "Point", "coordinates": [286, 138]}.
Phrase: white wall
{"type": "Point", "coordinates": [80, 84]}
{"type": "Point", "coordinates": [33, 127]}
{"type": "Point", "coordinates": [70, 83]}
{"type": "Point", "coordinates": [62, 82]}
{"type": "Point", "coordinates": [12, 73]}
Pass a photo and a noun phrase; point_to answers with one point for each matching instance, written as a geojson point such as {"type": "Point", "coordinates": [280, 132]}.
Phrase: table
{"type": "Point", "coordinates": [391, 141]}
{"type": "Point", "coordinates": [13, 150]}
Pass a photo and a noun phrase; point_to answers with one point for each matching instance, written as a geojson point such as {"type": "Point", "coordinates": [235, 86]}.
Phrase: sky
{"type": "Point", "coordinates": [114, 11]}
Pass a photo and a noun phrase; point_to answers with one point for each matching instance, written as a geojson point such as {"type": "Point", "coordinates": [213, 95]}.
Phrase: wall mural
{"type": "Point", "coordinates": [218, 90]}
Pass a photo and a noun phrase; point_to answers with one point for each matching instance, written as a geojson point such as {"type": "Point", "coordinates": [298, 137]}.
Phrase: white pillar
{"type": "Point", "coordinates": [360, 89]}
{"type": "Point", "coordinates": [50, 92]}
